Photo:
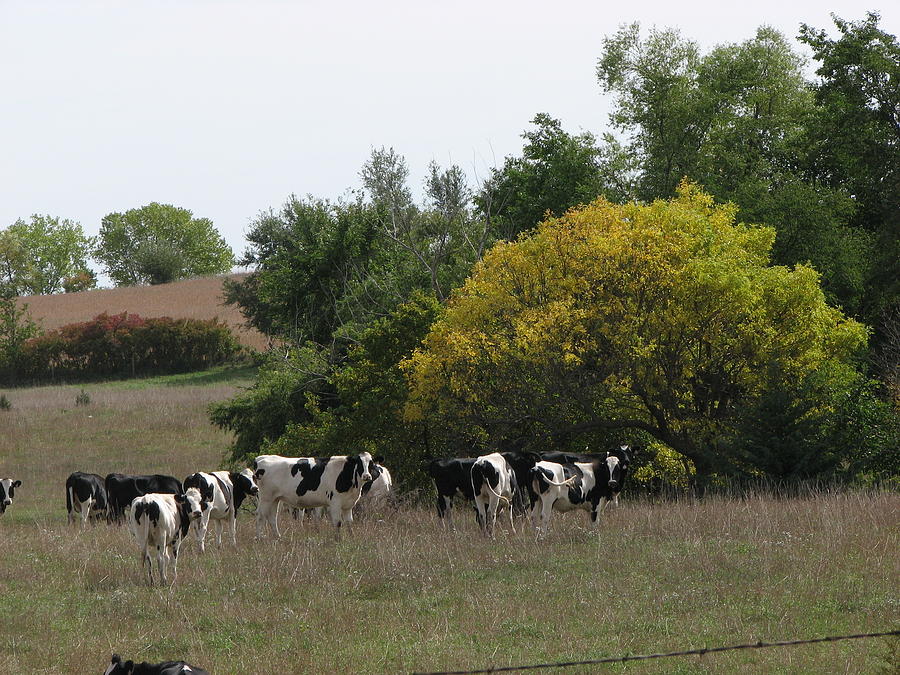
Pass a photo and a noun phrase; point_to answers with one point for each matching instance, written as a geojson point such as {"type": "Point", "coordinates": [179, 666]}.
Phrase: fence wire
{"type": "Point", "coordinates": [665, 655]}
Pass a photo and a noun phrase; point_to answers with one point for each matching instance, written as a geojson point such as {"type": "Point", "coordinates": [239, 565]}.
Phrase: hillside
{"type": "Point", "coordinates": [199, 298]}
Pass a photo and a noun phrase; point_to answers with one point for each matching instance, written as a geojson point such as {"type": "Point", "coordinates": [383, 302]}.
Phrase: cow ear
{"type": "Point", "coordinates": [181, 498]}
{"type": "Point", "coordinates": [116, 659]}
{"type": "Point", "coordinates": [378, 460]}
{"type": "Point", "coordinates": [17, 483]}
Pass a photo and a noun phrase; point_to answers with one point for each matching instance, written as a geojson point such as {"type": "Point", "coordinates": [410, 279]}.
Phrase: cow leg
{"type": "Point", "coordinates": [511, 525]}
{"type": "Point", "coordinates": [490, 516]}
{"type": "Point", "coordinates": [267, 518]}
{"type": "Point", "coordinates": [174, 546]}
{"type": "Point", "coordinates": [232, 524]}
{"type": "Point", "coordinates": [546, 511]}
{"type": "Point", "coordinates": [146, 565]}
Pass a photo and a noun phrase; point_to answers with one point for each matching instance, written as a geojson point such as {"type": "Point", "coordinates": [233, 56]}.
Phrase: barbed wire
{"type": "Point", "coordinates": [647, 657]}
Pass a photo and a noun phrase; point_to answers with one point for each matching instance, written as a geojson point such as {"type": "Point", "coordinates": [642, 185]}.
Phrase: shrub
{"type": "Point", "coordinates": [126, 345]}
{"type": "Point", "coordinates": [4, 402]}
{"type": "Point", "coordinates": [82, 399]}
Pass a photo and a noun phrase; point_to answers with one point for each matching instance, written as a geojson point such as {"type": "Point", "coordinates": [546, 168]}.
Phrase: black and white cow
{"type": "Point", "coordinates": [225, 491]}
{"type": "Point", "coordinates": [121, 490]}
{"type": "Point", "coordinates": [563, 487]}
{"type": "Point", "coordinates": [85, 494]}
{"type": "Point", "coordinates": [618, 462]}
{"type": "Point", "coordinates": [452, 477]}
{"type": "Point", "coordinates": [494, 485]}
{"type": "Point", "coordinates": [7, 492]}
{"type": "Point", "coordinates": [119, 667]}
{"type": "Point", "coordinates": [308, 482]}
{"type": "Point", "coordinates": [162, 521]}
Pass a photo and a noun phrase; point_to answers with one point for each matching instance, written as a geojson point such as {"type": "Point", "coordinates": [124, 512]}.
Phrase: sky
{"type": "Point", "coordinates": [228, 107]}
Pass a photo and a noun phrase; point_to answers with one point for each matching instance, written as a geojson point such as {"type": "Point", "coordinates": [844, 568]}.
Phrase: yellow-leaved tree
{"type": "Point", "coordinates": [666, 318]}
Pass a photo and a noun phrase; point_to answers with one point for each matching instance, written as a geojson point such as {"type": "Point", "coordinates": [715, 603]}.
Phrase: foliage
{"type": "Point", "coordinates": [556, 171]}
{"type": "Point", "coordinates": [736, 120]}
{"type": "Point", "coordinates": [665, 318]}
{"type": "Point", "coordinates": [53, 251]}
{"type": "Point", "coordinates": [125, 345]}
{"type": "Point", "coordinates": [5, 403]}
{"type": "Point", "coordinates": [856, 137]}
{"type": "Point", "coordinates": [82, 399]}
{"type": "Point", "coordinates": [304, 257]}
{"type": "Point", "coordinates": [370, 393]}
{"type": "Point", "coordinates": [160, 242]}
{"type": "Point", "coordinates": [16, 328]}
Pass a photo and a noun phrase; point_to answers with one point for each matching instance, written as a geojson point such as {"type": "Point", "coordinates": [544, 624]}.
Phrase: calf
{"type": "Point", "coordinates": [225, 493]}
{"type": "Point", "coordinates": [162, 521]}
{"type": "Point", "coordinates": [451, 477]}
{"type": "Point", "coordinates": [307, 482]}
{"type": "Point", "coordinates": [7, 492]}
{"type": "Point", "coordinates": [122, 489]}
{"type": "Point", "coordinates": [85, 493]}
{"type": "Point", "coordinates": [119, 667]}
{"type": "Point", "coordinates": [493, 484]}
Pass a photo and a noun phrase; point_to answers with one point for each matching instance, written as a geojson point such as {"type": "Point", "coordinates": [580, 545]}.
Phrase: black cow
{"type": "Point", "coordinates": [119, 667]}
{"type": "Point", "coordinates": [7, 492]}
{"type": "Point", "coordinates": [122, 489]}
{"type": "Point", "coordinates": [451, 477]}
{"type": "Point", "coordinates": [86, 494]}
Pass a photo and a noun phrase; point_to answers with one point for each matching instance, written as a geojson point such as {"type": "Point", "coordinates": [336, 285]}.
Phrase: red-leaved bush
{"type": "Point", "coordinates": [126, 345]}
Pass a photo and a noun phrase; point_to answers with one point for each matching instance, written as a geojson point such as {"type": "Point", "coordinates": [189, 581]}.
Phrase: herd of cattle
{"type": "Point", "coordinates": [164, 509]}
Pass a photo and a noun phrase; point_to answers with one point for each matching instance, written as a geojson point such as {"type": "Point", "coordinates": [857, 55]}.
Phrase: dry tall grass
{"type": "Point", "coordinates": [199, 298]}
{"type": "Point", "coordinates": [399, 594]}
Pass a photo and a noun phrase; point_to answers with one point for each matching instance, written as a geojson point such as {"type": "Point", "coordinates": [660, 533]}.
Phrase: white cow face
{"type": "Point", "coordinates": [363, 468]}
{"type": "Point", "coordinates": [7, 492]}
{"type": "Point", "coordinates": [194, 502]}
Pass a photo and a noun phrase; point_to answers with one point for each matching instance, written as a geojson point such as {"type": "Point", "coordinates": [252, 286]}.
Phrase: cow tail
{"type": "Point", "coordinates": [503, 499]}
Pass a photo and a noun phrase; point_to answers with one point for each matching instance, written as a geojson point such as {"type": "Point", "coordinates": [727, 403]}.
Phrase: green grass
{"type": "Point", "coordinates": [397, 593]}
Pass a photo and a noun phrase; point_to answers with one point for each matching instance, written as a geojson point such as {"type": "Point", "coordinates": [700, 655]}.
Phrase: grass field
{"type": "Point", "coordinates": [397, 594]}
{"type": "Point", "coordinates": [199, 298]}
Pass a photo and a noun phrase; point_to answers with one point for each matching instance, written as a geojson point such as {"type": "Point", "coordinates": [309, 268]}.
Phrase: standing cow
{"type": "Point", "coordinates": [121, 490]}
{"type": "Point", "coordinates": [162, 521]}
{"type": "Point", "coordinates": [7, 492]}
{"type": "Point", "coordinates": [225, 491]}
{"type": "Point", "coordinates": [494, 485]}
{"type": "Point", "coordinates": [85, 494]}
{"type": "Point", "coordinates": [308, 482]}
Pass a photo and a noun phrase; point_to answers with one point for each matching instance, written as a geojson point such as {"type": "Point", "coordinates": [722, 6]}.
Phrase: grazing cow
{"type": "Point", "coordinates": [122, 489]}
{"type": "Point", "coordinates": [7, 492]}
{"type": "Point", "coordinates": [85, 493]}
{"type": "Point", "coordinates": [493, 484]}
{"type": "Point", "coordinates": [225, 493]}
{"type": "Point", "coordinates": [119, 667]}
{"type": "Point", "coordinates": [161, 521]}
{"type": "Point", "coordinates": [521, 463]}
{"type": "Point", "coordinates": [307, 482]}
{"type": "Point", "coordinates": [563, 487]}
{"type": "Point", "coordinates": [451, 477]}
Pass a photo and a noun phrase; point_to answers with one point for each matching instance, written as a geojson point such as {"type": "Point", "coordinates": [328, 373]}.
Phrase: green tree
{"type": "Point", "coordinates": [556, 171]}
{"type": "Point", "coordinates": [736, 120]}
{"type": "Point", "coordinates": [666, 318]}
{"type": "Point", "coordinates": [856, 136]}
{"type": "Point", "coordinates": [16, 327]}
{"type": "Point", "coordinates": [54, 251]}
{"type": "Point", "coordinates": [143, 245]}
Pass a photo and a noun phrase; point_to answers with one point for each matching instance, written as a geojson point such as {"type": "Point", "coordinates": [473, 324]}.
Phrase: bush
{"type": "Point", "coordinates": [126, 345]}
{"type": "Point", "coordinates": [4, 403]}
{"type": "Point", "coordinates": [82, 399]}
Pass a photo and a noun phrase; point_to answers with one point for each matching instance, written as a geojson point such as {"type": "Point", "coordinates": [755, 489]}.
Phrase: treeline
{"type": "Point", "coordinates": [743, 323]}
{"type": "Point", "coordinates": [118, 346]}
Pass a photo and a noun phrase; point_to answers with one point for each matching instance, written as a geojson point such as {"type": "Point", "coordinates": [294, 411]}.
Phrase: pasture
{"type": "Point", "coordinates": [398, 594]}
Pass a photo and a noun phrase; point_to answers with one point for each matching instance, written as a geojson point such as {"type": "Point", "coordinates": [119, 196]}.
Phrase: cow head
{"type": "Point", "coordinates": [362, 468]}
{"type": "Point", "coordinates": [244, 483]}
{"type": "Point", "coordinates": [617, 462]}
{"type": "Point", "coordinates": [7, 492]}
{"type": "Point", "coordinates": [119, 667]}
{"type": "Point", "coordinates": [193, 503]}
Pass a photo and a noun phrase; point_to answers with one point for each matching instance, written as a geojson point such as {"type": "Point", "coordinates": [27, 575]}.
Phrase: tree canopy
{"type": "Point", "coordinates": [158, 243]}
{"type": "Point", "coordinates": [665, 318]}
{"type": "Point", "coordinates": [52, 255]}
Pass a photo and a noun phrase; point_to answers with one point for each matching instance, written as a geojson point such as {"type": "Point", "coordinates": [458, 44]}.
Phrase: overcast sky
{"type": "Point", "coordinates": [227, 107]}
